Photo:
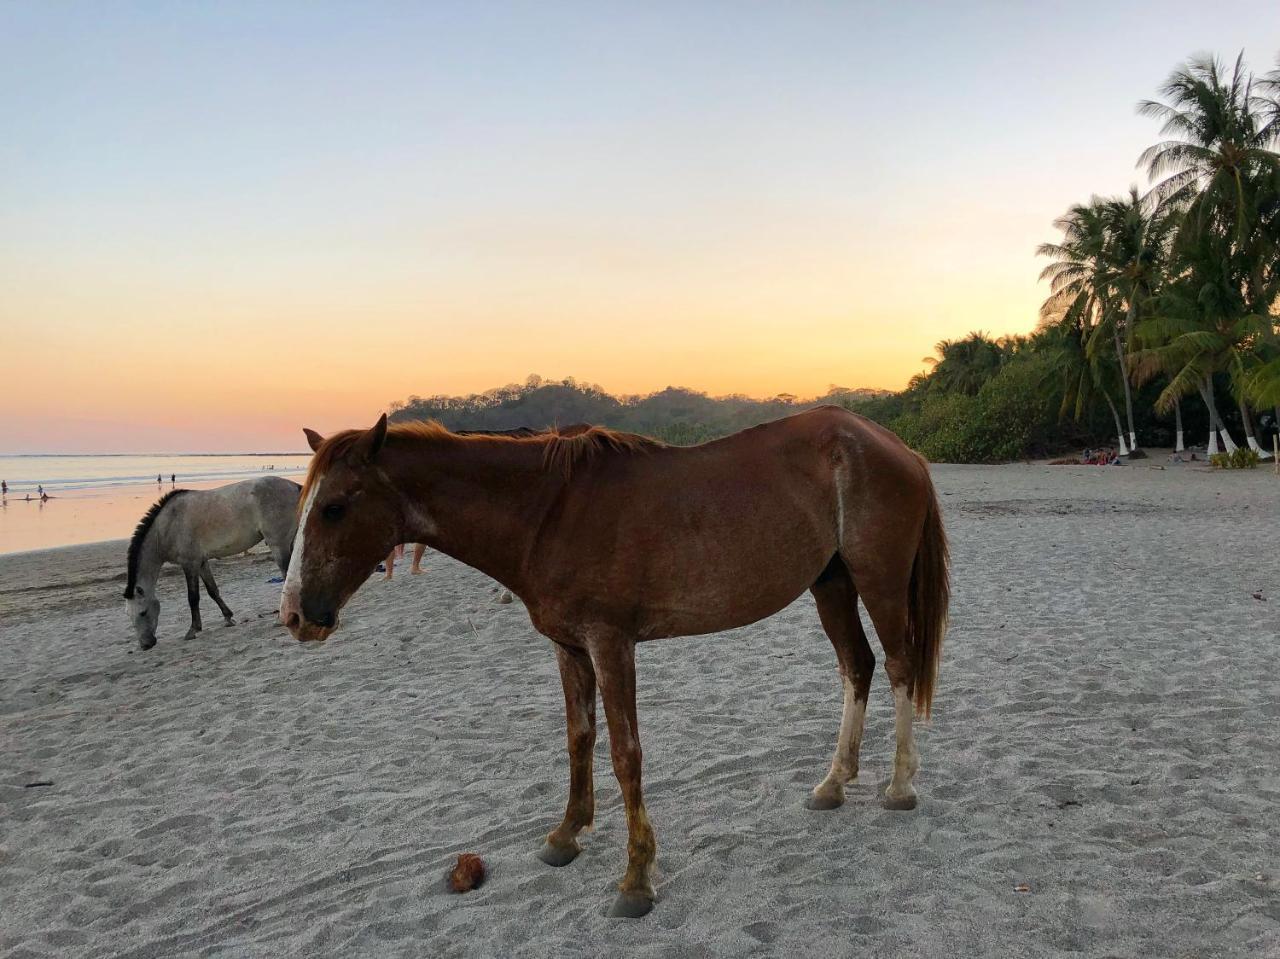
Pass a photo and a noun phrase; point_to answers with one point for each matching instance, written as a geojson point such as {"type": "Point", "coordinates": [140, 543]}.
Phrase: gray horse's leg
{"type": "Point", "coordinates": [193, 600]}
{"type": "Point", "coordinates": [211, 588]}
{"type": "Point", "coordinates": [280, 553]}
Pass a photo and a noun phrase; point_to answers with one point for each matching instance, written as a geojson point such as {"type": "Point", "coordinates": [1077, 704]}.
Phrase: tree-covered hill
{"type": "Point", "coordinates": [676, 415]}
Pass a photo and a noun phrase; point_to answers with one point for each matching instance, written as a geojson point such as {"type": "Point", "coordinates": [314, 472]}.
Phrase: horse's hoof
{"type": "Point", "coordinates": [630, 905]}
{"type": "Point", "coordinates": [822, 801]}
{"type": "Point", "coordinates": [559, 855]}
{"type": "Point", "coordinates": [191, 634]}
{"type": "Point", "coordinates": [900, 803]}
{"type": "Point", "coordinates": [229, 621]}
{"type": "Point", "coordinates": [144, 646]}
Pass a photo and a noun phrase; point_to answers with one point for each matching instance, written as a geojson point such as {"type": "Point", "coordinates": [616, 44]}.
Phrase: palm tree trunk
{"type": "Point", "coordinates": [1128, 392]}
{"type": "Point", "coordinates": [1177, 415]}
{"type": "Point", "coordinates": [1119, 426]}
{"type": "Point", "coordinates": [1249, 433]}
{"type": "Point", "coordinates": [1216, 426]}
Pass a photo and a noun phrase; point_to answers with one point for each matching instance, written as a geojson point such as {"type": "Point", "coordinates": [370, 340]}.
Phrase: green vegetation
{"type": "Point", "coordinates": [1153, 299]}
{"type": "Point", "coordinates": [675, 415]}
{"type": "Point", "coordinates": [1241, 459]}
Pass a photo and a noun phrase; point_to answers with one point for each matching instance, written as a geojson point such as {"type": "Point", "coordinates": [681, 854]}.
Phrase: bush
{"type": "Point", "coordinates": [1011, 417]}
{"type": "Point", "coordinates": [1243, 458]}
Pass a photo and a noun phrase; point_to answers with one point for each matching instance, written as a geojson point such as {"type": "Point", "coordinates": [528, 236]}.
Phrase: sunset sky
{"type": "Point", "coordinates": [221, 222]}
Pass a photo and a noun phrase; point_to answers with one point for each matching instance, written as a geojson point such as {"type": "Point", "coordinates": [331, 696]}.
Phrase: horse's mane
{"type": "Point", "coordinates": [140, 536]}
{"type": "Point", "coordinates": [564, 448]}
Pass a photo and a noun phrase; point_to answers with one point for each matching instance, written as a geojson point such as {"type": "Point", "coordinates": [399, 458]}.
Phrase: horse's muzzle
{"type": "Point", "coordinates": [309, 621]}
{"type": "Point", "coordinates": [306, 631]}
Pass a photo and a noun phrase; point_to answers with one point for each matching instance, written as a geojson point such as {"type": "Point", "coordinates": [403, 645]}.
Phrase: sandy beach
{"type": "Point", "coordinates": [1100, 777]}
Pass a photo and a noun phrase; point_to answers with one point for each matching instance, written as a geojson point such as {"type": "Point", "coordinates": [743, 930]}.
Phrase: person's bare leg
{"type": "Point", "coordinates": [418, 550]}
{"type": "Point", "coordinates": [390, 564]}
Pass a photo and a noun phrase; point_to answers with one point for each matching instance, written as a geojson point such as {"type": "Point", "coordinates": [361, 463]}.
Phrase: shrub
{"type": "Point", "coordinates": [1243, 458]}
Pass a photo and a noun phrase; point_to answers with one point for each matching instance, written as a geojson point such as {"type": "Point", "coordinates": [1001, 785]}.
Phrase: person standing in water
{"type": "Point", "coordinates": [4, 487]}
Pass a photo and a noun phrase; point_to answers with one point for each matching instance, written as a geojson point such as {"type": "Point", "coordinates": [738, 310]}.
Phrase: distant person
{"type": "Point", "coordinates": [159, 479]}
{"type": "Point", "coordinates": [40, 488]}
{"type": "Point", "coordinates": [44, 497]}
{"type": "Point", "coordinates": [4, 487]}
{"type": "Point", "coordinates": [173, 479]}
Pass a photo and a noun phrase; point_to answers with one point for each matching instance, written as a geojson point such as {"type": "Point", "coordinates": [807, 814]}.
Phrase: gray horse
{"type": "Point", "coordinates": [190, 527]}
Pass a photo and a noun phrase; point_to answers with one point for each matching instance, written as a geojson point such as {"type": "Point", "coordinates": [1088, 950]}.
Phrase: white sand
{"type": "Point", "coordinates": [1105, 734]}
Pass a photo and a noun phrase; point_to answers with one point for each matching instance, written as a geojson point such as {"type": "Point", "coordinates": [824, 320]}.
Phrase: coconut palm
{"type": "Point", "coordinates": [1101, 274]}
{"type": "Point", "coordinates": [1080, 379]}
{"type": "Point", "coordinates": [1219, 171]}
{"type": "Point", "coordinates": [1218, 140]}
{"type": "Point", "coordinates": [1200, 328]}
{"type": "Point", "coordinates": [962, 366]}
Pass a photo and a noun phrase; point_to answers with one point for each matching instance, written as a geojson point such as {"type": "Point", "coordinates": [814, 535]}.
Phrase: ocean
{"type": "Point", "coordinates": [65, 474]}
{"type": "Point", "coordinates": [94, 498]}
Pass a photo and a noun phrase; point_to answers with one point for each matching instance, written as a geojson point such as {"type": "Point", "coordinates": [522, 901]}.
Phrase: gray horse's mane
{"type": "Point", "coordinates": [140, 536]}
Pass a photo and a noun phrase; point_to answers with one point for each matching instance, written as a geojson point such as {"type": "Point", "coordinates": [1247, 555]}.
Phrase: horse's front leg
{"type": "Point", "coordinates": [615, 666]}
{"type": "Point", "coordinates": [579, 680]}
{"type": "Point", "coordinates": [193, 600]}
{"type": "Point", "coordinates": [211, 588]}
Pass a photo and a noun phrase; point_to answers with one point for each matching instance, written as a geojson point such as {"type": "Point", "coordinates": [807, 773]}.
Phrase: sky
{"type": "Point", "coordinates": [222, 222]}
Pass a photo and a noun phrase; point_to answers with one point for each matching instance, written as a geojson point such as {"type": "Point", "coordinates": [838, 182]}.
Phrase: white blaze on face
{"type": "Point", "coordinates": [291, 593]}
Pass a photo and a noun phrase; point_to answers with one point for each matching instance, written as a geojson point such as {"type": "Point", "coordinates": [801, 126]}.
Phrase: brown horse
{"type": "Point", "coordinates": [611, 539]}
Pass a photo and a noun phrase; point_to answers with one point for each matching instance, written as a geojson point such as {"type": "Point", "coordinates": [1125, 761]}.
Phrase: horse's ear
{"type": "Point", "coordinates": [370, 442]}
{"type": "Point", "coordinates": [314, 439]}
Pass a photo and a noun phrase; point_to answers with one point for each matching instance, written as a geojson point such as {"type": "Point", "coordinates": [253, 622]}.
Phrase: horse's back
{"type": "Point", "coordinates": [230, 519]}
{"type": "Point", "coordinates": [745, 523]}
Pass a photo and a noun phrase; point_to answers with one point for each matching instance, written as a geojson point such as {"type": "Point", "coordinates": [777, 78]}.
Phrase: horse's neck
{"type": "Point", "coordinates": [151, 558]}
{"type": "Point", "coordinates": [480, 501]}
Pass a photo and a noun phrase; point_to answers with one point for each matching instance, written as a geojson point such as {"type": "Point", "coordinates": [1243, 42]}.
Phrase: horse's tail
{"type": "Point", "coordinates": [930, 594]}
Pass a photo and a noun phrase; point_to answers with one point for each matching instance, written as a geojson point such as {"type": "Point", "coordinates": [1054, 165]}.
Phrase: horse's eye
{"type": "Point", "coordinates": [334, 511]}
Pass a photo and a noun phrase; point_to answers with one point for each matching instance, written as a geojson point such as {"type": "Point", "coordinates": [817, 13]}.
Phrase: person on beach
{"type": "Point", "coordinates": [418, 550]}
{"type": "Point", "coordinates": [40, 488]}
{"type": "Point", "coordinates": [173, 479]}
{"type": "Point", "coordinates": [415, 568]}
{"type": "Point", "coordinates": [159, 479]}
{"type": "Point", "coordinates": [391, 560]}
{"type": "Point", "coordinates": [4, 487]}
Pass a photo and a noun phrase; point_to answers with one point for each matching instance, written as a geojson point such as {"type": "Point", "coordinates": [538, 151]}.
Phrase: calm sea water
{"type": "Point", "coordinates": [64, 475]}
{"type": "Point", "coordinates": [96, 498]}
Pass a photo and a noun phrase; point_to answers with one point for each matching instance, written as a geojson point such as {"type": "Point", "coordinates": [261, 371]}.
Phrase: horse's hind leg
{"type": "Point", "coordinates": [578, 677]}
{"type": "Point", "coordinates": [837, 601]}
{"type": "Point", "coordinates": [211, 588]}
{"type": "Point", "coordinates": [193, 600]}
{"type": "Point", "coordinates": [885, 591]}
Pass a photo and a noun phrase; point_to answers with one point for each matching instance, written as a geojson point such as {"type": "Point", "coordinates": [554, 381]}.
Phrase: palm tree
{"type": "Point", "coordinates": [1201, 329]}
{"type": "Point", "coordinates": [1218, 172]}
{"type": "Point", "coordinates": [962, 366]}
{"type": "Point", "coordinates": [1080, 378]}
{"type": "Point", "coordinates": [1219, 139]}
{"type": "Point", "coordinates": [1136, 257]}
{"type": "Point", "coordinates": [1101, 274]}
